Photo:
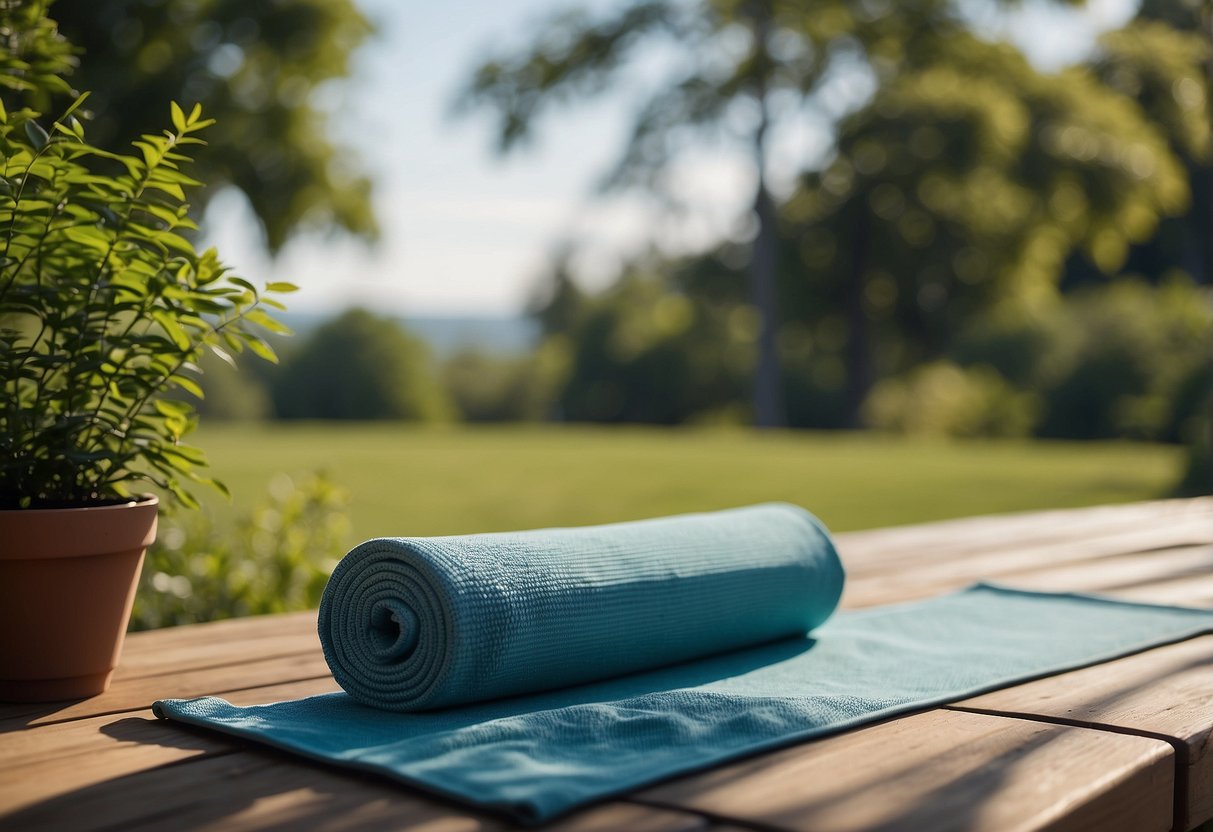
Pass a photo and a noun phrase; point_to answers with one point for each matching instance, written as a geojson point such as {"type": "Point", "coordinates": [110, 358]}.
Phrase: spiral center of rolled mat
{"type": "Point", "coordinates": [393, 630]}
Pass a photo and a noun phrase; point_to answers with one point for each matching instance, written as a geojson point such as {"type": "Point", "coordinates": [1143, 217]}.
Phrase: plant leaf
{"type": "Point", "coordinates": [36, 134]}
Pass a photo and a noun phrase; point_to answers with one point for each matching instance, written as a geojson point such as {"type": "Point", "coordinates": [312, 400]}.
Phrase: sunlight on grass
{"type": "Point", "coordinates": [411, 481]}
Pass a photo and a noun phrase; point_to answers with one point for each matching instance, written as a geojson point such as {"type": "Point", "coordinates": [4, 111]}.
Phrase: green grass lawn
{"type": "Point", "coordinates": [413, 481]}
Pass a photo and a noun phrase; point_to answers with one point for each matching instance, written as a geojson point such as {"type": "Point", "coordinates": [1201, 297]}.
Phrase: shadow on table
{"type": "Point", "coordinates": [960, 802]}
{"type": "Point", "coordinates": [21, 715]}
{"type": "Point", "coordinates": [230, 784]}
{"type": "Point", "coordinates": [244, 787]}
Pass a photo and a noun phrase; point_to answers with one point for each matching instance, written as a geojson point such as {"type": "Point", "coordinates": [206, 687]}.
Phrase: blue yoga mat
{"type": "Point", "coordinates": [533, 672]}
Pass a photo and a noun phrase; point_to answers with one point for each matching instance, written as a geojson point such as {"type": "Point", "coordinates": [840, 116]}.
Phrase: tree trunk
{"type": "Point", "coordinates": [768, 396]}
{"type": "Point", "coordinates": [859, 347]}
{"type": "Point", "coordinates": [1207, 20]}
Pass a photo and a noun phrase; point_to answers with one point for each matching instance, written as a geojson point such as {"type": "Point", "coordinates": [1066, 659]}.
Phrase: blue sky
{"type": "Point", "coordinates": [467, 232]}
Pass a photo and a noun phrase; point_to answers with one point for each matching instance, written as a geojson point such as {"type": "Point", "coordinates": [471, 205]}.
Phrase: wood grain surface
{"type": "Point", "coordinates": [1119, 746]}
{"type": "Point", "coordinates": [945, 770]}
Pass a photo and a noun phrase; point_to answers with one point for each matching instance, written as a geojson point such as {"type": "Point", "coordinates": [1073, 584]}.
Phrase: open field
{"type": "Point", "coordinates": [413, 481]}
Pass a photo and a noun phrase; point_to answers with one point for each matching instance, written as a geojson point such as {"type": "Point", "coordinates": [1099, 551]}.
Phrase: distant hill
{"type": "Point", "coordinates": [446, 335]}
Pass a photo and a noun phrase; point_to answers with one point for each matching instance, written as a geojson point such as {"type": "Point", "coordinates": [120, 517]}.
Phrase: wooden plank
{"type": "Point", "coordinates": [900, 547]}
{"type": "Point", "coordinates": [1189, 590]}
{"type": "Point", "coordinates": [252, 790]}
{"type": "Point", "coordinates": [934, 771]}
{"type": "Point", "coordinates": [139, 693]}
{"type": "Point", "coordinates": [182, 662]}
{"type": "Point", "coordinates": [1166, 692]}
{"type": "Point", "coordinates": [931, 577]}
{"type": "Point", "coordinates": [160, 652]}
{"type": "Point", "coordinates": [163, 650]}
{"type": "Point", "coordinates": [1123, 572]}
{"type": "Point", "coordinates": [255, 660]}
{"type": "Point", "coordinates": [81, 754]}
{"type": "Point", "coordinates": [59, 758]}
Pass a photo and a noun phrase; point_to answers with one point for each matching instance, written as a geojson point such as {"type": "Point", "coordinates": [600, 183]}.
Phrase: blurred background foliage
{"type": "Point", "coordinates": [967, 178]}
{"type": "Point", "coordinates": [359, 366]}
{"type": "Point", "coordinates": [945, 270]}
{"type": "Point", "coordinates": [986, 249]}
{"type": "Point", "coordinates": [274, 557]}
{"type": "Point", "coordinates": [258, 68]}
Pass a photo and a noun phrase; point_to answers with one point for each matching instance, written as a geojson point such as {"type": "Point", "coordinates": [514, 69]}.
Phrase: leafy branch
{"type": "Point", "coordinates": [105, 309]}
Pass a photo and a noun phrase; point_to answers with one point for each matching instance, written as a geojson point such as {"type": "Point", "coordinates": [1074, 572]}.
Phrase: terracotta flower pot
{"type": "Point", "coordinates": [67, 584]}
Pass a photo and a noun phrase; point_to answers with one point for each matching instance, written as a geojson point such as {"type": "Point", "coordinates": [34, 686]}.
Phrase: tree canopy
{"type": "Point", "coordinates": [360, 366]}
{"type": "Point", "coordinates": [254, 66]}
{"type": "Point", "coordinates": [964, 177]}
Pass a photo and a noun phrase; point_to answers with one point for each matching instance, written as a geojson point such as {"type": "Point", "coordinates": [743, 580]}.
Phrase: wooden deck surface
{"type": "Point", "coordinates": [1119, 746]}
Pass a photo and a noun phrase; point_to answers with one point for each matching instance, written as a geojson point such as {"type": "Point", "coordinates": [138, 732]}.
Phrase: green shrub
{"type": "Point", "coordinates": [488, 388]}
{"type": "Point", "coordinates": [1122, 359]}
{"type": "Point", "coordinates": [642, 353]}
{"type": "Point", "coordinates": [360, 366]}
{"type": "Point", "coordinates": [275, 558]}
{"type": "Point", "coordinates": [233, 394]}
{"type": "Point", "coordinates": [105, 305]}
{"type": "Point", "coordinates": [1197, 476]}
{"type": "Point", "coordinates": [1191, 411]}
{"type": "Point", "coordinates": [814, 375]}
{"type": "Point", "coordinates": [1018, 345]}
{"type": "Point", "coordinates": [942, 399]}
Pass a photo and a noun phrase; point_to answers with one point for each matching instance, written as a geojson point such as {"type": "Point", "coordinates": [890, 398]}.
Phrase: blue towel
{"type": "Point", "coordinates": [531, 673]}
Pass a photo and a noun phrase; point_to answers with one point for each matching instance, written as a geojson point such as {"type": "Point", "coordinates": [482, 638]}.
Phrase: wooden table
{"type": "Point", "coordinates": [1119, 746]}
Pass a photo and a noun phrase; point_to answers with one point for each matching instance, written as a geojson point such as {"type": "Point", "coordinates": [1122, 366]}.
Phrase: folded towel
{"type": "Point", "coordinates": [413, 624]}
{"type": "Point", "coordinates": [419, 623]}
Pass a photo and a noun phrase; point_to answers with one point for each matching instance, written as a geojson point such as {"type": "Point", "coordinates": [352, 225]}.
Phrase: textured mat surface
{"type": "Point", "coordinates": [420, 623]}
{"type": "Point", "coordinates": [486, 616]}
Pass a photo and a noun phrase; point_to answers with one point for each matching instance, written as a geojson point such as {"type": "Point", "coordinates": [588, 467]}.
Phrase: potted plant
{"type": "Point", "coordinates": [105, 308]}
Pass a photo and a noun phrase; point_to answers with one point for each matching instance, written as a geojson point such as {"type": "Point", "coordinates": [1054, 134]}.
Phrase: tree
{"type": "Point", "coordinates": [575, 55]}
{"type": "Point", "coordinates": [253, 66]}
{"type": "Point", "coordinates": [559, 302]}
{"type": "Point", "coordinates": [35, 57]}
{"type": "Point", "coordinates": [1164, 60]}
{"type": "Point", "coordinates": [1017, 191]}
{"type": "Point", "coordinates": [641, 353]}
{"type": "Point", "coordinates": [360, 366]}
{"type": "Point", "coordinates": [968, 180]}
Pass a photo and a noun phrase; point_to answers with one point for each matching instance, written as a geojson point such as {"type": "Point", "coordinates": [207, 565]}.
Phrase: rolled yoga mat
{"type": "Point", "coordinates": [546, 636]}
{"type": "Point", "coordinates": [411, 624]}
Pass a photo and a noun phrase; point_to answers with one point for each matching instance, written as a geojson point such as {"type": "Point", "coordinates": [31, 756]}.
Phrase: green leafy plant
{"type": "Point", "coordinates": [105, 305]}
{"type": "Point", "coordinates": [274, 558]}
